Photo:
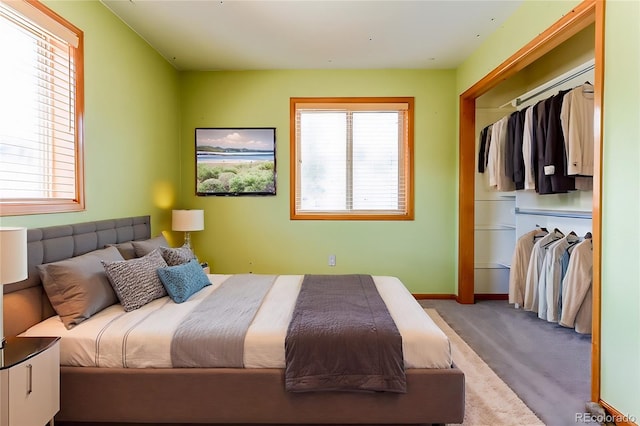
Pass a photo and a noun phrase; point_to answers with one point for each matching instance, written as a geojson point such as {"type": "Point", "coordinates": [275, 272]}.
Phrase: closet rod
{"type": "Point", "coordinates": [552, 84]}
{"type": "Point", "coordinates": [555, 213]}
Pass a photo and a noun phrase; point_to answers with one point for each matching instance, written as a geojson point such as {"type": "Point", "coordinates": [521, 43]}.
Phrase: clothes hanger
{"type": "Point", "coordinates": [541, 232]}
{"type": "Point", "coordinates": [587, 87]}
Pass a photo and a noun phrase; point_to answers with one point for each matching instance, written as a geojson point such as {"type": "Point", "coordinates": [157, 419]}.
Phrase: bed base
{"type": "Point", "coordinates": [231, 395]}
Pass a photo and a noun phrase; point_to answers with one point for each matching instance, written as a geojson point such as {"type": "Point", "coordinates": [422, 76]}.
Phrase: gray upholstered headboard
{"type": "Point", "coordinates": [25, 302]}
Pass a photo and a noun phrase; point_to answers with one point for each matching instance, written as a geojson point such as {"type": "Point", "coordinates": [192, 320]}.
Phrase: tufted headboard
{"type": "Point", "coordinates": [25, 302]}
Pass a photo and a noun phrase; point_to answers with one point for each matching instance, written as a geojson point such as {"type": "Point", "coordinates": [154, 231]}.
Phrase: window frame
{"type": "Point", "coordinates": [407, 214]}
{"type": "Point", "coordinates": [17, 206]}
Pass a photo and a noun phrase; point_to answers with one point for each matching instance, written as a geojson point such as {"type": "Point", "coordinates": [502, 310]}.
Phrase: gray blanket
{"type": "Point", "coordinates": [212, 335]}
{"type": "Point", "coordinates": [342, 337]}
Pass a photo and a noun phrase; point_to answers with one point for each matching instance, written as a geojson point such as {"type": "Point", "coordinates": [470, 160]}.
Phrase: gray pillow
{"type": "Point", "coordinates": [126, 250]}
{"type": "Point", "coordinates": [136, 281]}
{"type": "Point", "coordinates": [177, 256]}
{"type": "Point", "coordinates": [78, 287]}
{"type": "Point", "coordinates": [142, 248]}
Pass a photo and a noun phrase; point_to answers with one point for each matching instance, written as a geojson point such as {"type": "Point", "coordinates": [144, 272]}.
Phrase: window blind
{"type": "Point", "coordinates": [352, 158]}
{"type": "Point", "coordinates": [38, 132]}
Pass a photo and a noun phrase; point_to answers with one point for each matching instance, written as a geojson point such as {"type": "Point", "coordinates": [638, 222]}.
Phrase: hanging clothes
{"type": "Point", "coordinates": [550, 290]}
{"type": "Point", "coordinates": [527, 135]}
{"type": "Point", "coordinates": [584, 317]}
{"type": "Point", "coordinates": [554, 148]}
{"type": "Point", "coordinates": [547, 147]}
{"type": "Point", "coordinates": [520, 265]}
{"type": "Point", "coordinates": [482, 159]}
{"type": "Point", "coordinates": [576, 288]}
{"type": "Point", "coordinates": [534, 269]}
{"type": "Point", "coordinates": [496, 164]}
{"type": "Point", "coordinates": [538, 146]}
{"type": "Point", "coordinates": [577, 125]}
{"type": "Point", "coordinates": [518, 173]}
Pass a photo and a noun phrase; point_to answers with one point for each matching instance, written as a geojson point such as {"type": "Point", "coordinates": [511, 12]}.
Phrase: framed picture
{"type": "Point", "coordinates": [236, 161]}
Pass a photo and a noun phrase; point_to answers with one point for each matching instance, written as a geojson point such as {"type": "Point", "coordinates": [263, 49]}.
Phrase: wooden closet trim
{"type": "Point", "coordinates": [583, 15]}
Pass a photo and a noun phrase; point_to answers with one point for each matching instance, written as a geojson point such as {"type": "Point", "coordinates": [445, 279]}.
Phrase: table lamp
{"type": "Point", "coordinates": [13, 263]}
{"type": "Point", "coordinates": [187, 221]}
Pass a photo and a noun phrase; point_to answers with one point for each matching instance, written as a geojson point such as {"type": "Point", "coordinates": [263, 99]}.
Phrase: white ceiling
{"type": "Point", "coordinates": [313, 34]}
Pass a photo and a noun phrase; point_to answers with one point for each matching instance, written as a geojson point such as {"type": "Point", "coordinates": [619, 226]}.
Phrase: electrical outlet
{"type": "Point", "coordinates": [332, 260]}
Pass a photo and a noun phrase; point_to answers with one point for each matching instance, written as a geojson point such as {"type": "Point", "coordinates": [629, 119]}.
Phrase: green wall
{"type": "Point", "coordinates": [621, 210]}
{"type": "Point", "coordinates": [131, 123]}
{"type": "Point", "coordinates": [620, 345]}
{"type": "Point", "coordinates": [255, 234]}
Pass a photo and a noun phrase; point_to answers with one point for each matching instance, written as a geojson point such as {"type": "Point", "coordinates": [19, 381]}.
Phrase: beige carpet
{"type": "Point", "coordinates": [488, 400]}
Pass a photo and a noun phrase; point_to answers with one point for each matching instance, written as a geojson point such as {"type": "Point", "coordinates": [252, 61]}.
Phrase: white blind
{"type": "Point", "coordinates": [37, 110]}
{"type": "Point", "coordinates": [351, 158]}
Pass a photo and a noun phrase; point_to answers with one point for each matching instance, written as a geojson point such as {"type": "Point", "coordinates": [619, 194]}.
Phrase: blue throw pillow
{"type": "Point", "coordinates": [182, 281]}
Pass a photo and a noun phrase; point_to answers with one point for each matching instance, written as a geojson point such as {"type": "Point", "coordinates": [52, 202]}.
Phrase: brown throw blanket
{"type": "Point", "coordinates": [342, 338]}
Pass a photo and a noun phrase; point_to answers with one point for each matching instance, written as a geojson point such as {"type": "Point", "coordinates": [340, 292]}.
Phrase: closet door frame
{"type": "Point", "coordinates": [586, 13]}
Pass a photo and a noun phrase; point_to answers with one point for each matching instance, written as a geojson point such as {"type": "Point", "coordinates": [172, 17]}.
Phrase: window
{"type": "Point", "coordinates": [41, 108]}
{"type": "Point", "coordinates": [351, 158]}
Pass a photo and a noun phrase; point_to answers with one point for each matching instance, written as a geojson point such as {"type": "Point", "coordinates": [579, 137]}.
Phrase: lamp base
{"type": "Point", "coordinates": [187, 244]}
{"type": "Point", "coordinates": [187, 240]}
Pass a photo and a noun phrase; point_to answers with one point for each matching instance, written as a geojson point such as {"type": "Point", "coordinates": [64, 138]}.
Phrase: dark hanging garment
{"type": "Point", "coordinates": [543, 182]}
{"type": "Point", "coordinates": [555, 164]}
{"type": "Point", "coordinates": [482, 158]}
{"type": "Point", "coordinates": [518, 158]}
{"type": "Point", "coordinates": [509, 146]}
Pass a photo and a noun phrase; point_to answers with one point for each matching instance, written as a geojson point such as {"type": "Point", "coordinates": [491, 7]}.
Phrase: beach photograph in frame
{"type": "Point", "coordinates": [236, 161]}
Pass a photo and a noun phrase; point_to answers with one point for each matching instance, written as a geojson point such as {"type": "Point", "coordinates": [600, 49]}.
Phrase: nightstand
{"type": "Point", "coordinates": [29, 381]}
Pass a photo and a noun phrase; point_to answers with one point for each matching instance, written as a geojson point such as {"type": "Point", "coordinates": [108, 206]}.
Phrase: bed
{"type": "Point", "coordinates": [108, 389]}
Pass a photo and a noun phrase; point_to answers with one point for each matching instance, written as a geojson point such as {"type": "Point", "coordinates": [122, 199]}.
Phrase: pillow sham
{"type": "Point", "coordinates": [136, 281]}
{"type": "Point", "coordinates": [184, 280]}
{"type": "Point", "coordinates": [78, 287]}
{"type": "Point", "coordinates": [177, 256]}
{"type": "Point", "coordinates": [142, 248]}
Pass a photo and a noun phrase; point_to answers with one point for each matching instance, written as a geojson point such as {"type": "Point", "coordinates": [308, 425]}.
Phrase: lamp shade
{"type": "Point", "coordinates": [187, 220]}
{"type": "Point", "coordinates": [13, 255]}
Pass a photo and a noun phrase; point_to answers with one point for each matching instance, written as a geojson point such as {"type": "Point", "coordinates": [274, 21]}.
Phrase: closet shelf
{"type": "Point", "coordinates": [494, 265]}
{"type": "Point", "coordinates": [502, 199]}
{"type": "Point", "coordinates": [495, 227]}
{"type": "Point", "coordinates": [576, 214]}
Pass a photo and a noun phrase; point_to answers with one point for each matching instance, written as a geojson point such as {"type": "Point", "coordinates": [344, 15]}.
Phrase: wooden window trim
{"type": "Point", "coordinates": [408, 165]}
{"type": "Point", "coordinates": [42, 206]}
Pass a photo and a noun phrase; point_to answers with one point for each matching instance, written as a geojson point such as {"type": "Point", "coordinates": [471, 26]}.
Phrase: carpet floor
{"type": "Point", "coordinates": [546, 365]}
{"type": "Point", "coordinates": [488, 399]}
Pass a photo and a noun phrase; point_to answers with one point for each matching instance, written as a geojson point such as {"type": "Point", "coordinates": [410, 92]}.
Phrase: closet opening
{"type": "Point", "coordinates": [573, 45]}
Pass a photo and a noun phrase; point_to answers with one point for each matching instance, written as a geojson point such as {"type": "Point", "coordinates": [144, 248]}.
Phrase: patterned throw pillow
{"type": "Point", "coordinates": [136, 281]}
{"type": "Point", "coordinates": [177, 256]}
{"type": "Point", "coordinates": [183, 280]}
